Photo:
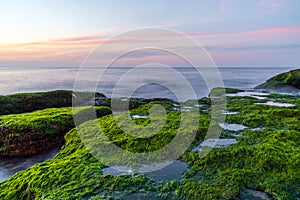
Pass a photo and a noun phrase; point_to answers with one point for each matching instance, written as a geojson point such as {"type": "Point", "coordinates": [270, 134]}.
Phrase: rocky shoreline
{"type": "Point", "coordinates": [260, 162]}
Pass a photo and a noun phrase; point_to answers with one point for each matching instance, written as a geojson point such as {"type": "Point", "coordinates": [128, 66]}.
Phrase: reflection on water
{"type": "Point", "coordinates": [232, 127]}
{"type": "Point", "coordinates": [142, 196]}
{"type": "Point", "coordinates": [271, 103]}
{"type": "Point", "coordinates": [172, 170]}
{"type": "Point", "coordinates": [257, 95]}
{"type": "Point", "coordinates": [9, 166]}
{"type": "Point", "coordinates": [227, 112]}
{"type": "Point", "coordinates": [215, 143]}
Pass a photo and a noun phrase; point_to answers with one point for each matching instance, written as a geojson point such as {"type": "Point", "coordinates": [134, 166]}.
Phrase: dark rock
{"type": "Point", "coordinates": [27, 144]}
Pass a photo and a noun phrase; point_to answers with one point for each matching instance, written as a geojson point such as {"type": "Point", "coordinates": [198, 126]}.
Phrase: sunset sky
{"type": "Point", "coordinates": [61, 33]}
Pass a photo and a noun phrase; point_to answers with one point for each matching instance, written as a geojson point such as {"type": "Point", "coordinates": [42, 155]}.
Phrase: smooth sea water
{"type": "Point", "coordinates": [10, 166]}
{"type": "Point", "coordinates": [32, 80]}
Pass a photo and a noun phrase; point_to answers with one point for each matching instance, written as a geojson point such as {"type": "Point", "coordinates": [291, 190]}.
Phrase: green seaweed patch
{"type": "Point", "coordinates": [253, 115]}
{"type": "Point", "coordinates": [29, 102]}
{"type": "Point", "coordinates": [31, 133]}
{"type": "Point", "coordinates": [291, 78]}
{"type": "Point", "coordinates": [49, 121]}
{"type": "Point", "coordinates": [264, 161]}
{"type": "Point", "coordinates": [218, 91]}
{"type": "Point", "coordinates": [132, 140]}
{"type": "Point", "coordinates": [73, 174]}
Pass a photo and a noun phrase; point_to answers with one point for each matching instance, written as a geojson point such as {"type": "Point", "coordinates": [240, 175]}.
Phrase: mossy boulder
{"type": "Point", "coordinates": [32, 133]}
{"type": "Point", "coordinates": [28, 102]}
{"type": "Point", "coordinates": [73, 174]}
{"type": "Point", "coordinates": [219, 91]}
{"type": "Point", "coordinates": [127, 103]}
{"type": "Point", "coordinates": [291, 78]}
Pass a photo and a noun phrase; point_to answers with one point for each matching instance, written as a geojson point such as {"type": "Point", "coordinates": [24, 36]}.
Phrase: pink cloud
{"type": "Point", "coordinates": [270, 6]}
{"type": "Point", "coordinates": [260, 32]}
{"type": "Point", "coordinates": [280, 30]}
{"type": "Point", "coordinates": [76, 48]}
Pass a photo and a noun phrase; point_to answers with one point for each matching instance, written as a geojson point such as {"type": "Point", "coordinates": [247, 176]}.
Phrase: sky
{"type": "Point", "coordinates": [62, 33]}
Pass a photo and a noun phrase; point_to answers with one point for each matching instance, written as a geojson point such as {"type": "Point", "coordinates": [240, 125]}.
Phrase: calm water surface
{"type": "Point", "coordinates": [31, 80]}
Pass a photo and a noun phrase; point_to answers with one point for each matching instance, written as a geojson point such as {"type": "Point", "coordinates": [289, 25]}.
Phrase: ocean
{"type": "Point", "coordinates": [32, 80]}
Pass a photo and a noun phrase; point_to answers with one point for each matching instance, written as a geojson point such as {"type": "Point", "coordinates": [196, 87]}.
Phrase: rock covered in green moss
{"type": "Point", "coordinates": [291, 78]}
{"type": "Point", "coordinates": [72, 174]}
{"type": "Point", "coordinates": [28, 102]}
{"type": "Point", "coordinates": [218, 91]}
{"type": "Point", "coordinates": [265, 160]}
{"type": "Point", "coordinates": [75, 174]}
{"type": "Point", "coordinates": [32, 133]}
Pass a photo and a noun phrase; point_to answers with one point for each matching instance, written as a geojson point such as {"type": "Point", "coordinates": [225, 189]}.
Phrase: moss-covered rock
{"type": "Point", "coordinates": [291, 78]}
{"type": "Point", "coordinates": [265, 160]}
{"type": "Point", "coordinates": [72, 174]}
{"type": "Point", "coordinates": [218, 91]}
{"type": "Point", "coordinates": [32, 133]}
{"type": "Point", "coordinates": [28, 102]}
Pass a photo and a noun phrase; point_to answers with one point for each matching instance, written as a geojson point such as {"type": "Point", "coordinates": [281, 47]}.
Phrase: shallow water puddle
{"type": "Point", "coordinates": [258, 129]}
{"type": "Point", "coordinates": [215, 143]}
{"type": "Point", "coordinates": [172, 170]}
{"type": "Point", "coordinates": [250, 194]}
{"type": "Point", "coordinates": [184, 108]}
{"type": "Point", "coordinates": [139, 116]}
{"type": "Point", "coordinates": [10, 166]}
{"type": "Point", "coordinates": [257, 95]}
{"type": "Point", "coordinates": [142, 196]}
{"type": "Point", "coordinates": [117, 170]}
{"type": "Point", "coordinates": [272, 103]}
{"type": "Point", "coordinates": [199, 105]}
{"type": "Point", "coordinates": [175, 109]}
{"type": "Point", "coordinates": [227, 112]}
{"type": "Point", "coordinates": [232, 127]}
{"type": "Point", "coordinates": [124, 99]}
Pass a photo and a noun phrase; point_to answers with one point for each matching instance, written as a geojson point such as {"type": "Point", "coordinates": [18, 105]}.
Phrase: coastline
{"type": "Point", "coordinates": [257, 150]}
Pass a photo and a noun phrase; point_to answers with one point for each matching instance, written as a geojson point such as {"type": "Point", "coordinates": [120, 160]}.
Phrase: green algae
{"type": "Point", "coordinates": [47, 121]}
{"type": "Point", "coordinates": [291, 78]}
{"type": "Point", "coordinates": [257, 115]}
{"type": "Point", "coordinates": [73, 174]}
{"type": "Point", "coordinates": [134, 140]}
{"type": "Point", "coordinates": [265, 160]}
{"type": "Point", "coordinates": [268, 163]}
{"type": "Point", "coordinates": [38, 127]}
{"type": "Point", "coordinates": [29, 102]}
{"type": "Point", "coordinates": [218, 91]}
